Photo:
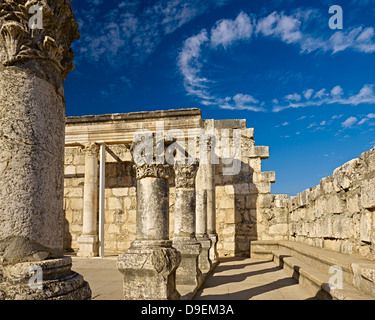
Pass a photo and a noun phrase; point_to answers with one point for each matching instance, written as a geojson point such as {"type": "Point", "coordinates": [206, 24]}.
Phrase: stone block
{"type": "Point", "coordinates": [265, 200]}
{"type": "Point", "coordinates": [114, 203]}
{"type": "Point", "coordinates": [353, 204]}
{"type": "Point", "coordinates": [248, 133]}
{"type": "Point", "coordinates": [335, 204]}
{"type": "Point", "coordinates": [279, 229]}
{"type": "Point", "coordinates": [342, 228]}
{"type": "Point", "coordinates": [368, 193]}
{"type": "Point", "coordinates": [226, 202]}
{"type": "Point", "coordinates": [259, 151]}
{"type": "Point", "coordinates": [120, 192]}
{"type": "Point", "coordinates": [269, 176]}
{"type": "Point", "coordinates": [70, 170]}
{"type": "Point", "coordinates": [365, 226]}
{"type": "Point", "coordinates": [255, 164]}
{"type": "Point", "coordinates": [242, 188]}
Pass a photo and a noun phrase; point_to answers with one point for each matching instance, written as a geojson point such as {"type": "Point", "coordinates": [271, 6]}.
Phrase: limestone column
{"type": "Point", "coordinates": [89, 240]}
{"type": "Point", "coordinates": [205, 263]}
{"type": "Point", "coordinates": [209, 178]}
{"type": "Point", "coordinates": [33, 65]}
{"type": "Point", "coordinates": [149, 265]}
{"type": "Point", "coordinates": [184, 240]}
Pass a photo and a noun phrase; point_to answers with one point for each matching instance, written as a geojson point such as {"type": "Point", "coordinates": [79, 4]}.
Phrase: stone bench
{"type": "Point", "coordinates": [311, 267]}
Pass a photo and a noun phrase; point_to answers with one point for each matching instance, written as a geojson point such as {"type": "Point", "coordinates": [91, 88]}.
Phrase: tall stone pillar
{"type": "Point", "coordinates": [205, 263]}
{"type": "Point", "coordinates": [184, 240]}
{"type": "Point", "coordinates": [149, 265]}
{"type": "Point", "coordinates": [209, 181]}
{"type": "Point", "coordinates": [89, 240]}
{"type": "Point", "coordinates": [33, 65]}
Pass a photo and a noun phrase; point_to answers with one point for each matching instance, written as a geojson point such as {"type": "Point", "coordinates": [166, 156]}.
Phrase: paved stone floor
{"type": "Point", "coordinates": [233, 279]}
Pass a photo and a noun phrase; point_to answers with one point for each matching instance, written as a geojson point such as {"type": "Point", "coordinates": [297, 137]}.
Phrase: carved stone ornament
{"type": "Point", "coordinates": [153, 170]}
{"type": "Point", "coordinates": [185, 175]}
{"type": "Point", "coordinates": [92, 149]}
{"type": "Point", "coordinates": [20, 43]}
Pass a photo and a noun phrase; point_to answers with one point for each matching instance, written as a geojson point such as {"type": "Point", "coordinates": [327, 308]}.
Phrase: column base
{"type": "Point", "coordinates": [43, 280]}
{"type": "Point", "coordinates": [149, 269]}
{"type": "Point", "coordinates": [214, 255]}
{"type": "Point", "coordinates": [205, 263]}
{"type": "Point", "coordinates": [88, 246]}
{"type": "Point", "coordinates": [188, 272]}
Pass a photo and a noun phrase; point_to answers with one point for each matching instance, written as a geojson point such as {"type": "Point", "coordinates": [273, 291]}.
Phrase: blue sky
{"type": "Point", "coordinates": [307, 90]}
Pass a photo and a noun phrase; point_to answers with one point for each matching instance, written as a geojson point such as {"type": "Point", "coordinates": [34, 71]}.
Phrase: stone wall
{"type": "Point", "coordinates": [338, 214]}
{"type": "Point", "coordinates": [239, 196]}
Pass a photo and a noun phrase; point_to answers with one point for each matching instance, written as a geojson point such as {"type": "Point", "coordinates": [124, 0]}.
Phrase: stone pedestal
{"type": "Point", "coordinates": [149, 265]}
{"type": "Point", "coordinates": [89, 240]}
{"type": "Point", "coordinates": [42, 280]}
{"type": "Point", "coordinates": [33, 66]}
{"type": "Point", "coordinates": [149, 269]}
{"type": "Point", "coordinates": [184, 240]}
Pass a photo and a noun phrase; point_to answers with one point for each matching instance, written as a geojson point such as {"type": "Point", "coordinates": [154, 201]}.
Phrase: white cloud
{"type": "Point", "coordinates": [290, 29]}
{"type": "Point", "coordinates": [293, 97]}
{"type": "Point", "coordinates": [241, 102]}
{"type": "Point", "coordinates": [349, 122]}
{"type": "Point", "coordinates": [188, 62]}
{"type": "Point", "coordinates": [308, 93]}
{"type": "Point", "coordinates": [226, 31]}
{"type": "Point", "coordinates": [337, 92]}
{"type": "Point", "coordinates": [130, 32]}
{"type": "Point", "coordinates": [280, 25]}
{"type": "Point", "coordinates": [365, 96]}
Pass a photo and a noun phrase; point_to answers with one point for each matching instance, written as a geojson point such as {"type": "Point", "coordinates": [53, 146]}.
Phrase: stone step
{"type": "Point", "coordinates": [316, 282]}
{"type": "Point", "coordinates": [312, 265]}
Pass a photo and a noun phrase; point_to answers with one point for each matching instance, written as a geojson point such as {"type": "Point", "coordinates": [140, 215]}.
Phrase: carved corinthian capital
{"type": "Point", "coordinates": [153, 170]}
{"type": "Point", "coordinates": [19, 43]}
{"type": "Point", "coordinates": [92, 149]}
{"type": "Point", "coordinates": [185, 175]}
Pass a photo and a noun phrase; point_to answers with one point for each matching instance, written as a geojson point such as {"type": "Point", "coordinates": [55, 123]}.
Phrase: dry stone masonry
{"type": "Point", "coordinates": [338, 214]}
{"type": "Point", "coordinates": [33, 66]}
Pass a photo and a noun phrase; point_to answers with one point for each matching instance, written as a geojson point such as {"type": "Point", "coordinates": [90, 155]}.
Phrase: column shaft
{"type": "Point", "coordinates": [89, 240]}
{"type": "Point", "coordinates": [184, 240]}
{"type": "Point", "coordinates": [149, 265]}
{"type": "Point", "coordinates": [33, 66]}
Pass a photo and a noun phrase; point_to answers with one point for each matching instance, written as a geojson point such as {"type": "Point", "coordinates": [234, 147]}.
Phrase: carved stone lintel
{"type": "Point", "coordinates": [153, 170]}
{"type": "Point", "coordinates": [185, 175]}
{"type": "Point", "coordinates": [20, 43]}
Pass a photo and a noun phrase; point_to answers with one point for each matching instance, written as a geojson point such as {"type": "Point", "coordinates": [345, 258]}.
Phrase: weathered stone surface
{"type": "Point", "coordinates": [368, 193]}
{"type": "Point", "coordinates": [57, 281]}
{"type": "Point", "coordinates": [33, 66]}
{"type": "Point", "coordinates": [336, 214]}
{"type": "Point", "coordinates": [144, 264]}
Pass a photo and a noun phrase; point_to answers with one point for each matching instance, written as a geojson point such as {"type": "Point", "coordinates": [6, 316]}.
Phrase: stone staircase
{"type": "Point", "coordinates": [313, 268]}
